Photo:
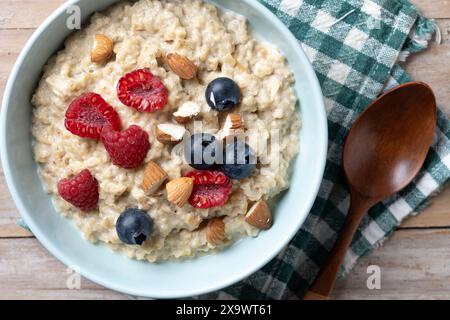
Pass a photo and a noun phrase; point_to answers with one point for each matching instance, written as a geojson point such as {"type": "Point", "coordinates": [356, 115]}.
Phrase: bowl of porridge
{"type": "Point", "coordinates": [166, 148]}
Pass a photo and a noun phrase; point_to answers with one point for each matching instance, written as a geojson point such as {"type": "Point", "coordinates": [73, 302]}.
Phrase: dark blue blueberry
{"type": "Point", "coordinates": [239, 160]}
{"type": "Point", "coordinates": [200, 151]}
{"type": "Point", "coordinates": [223, 94]}
{"type": "Point", "coordinates": [134, 226]}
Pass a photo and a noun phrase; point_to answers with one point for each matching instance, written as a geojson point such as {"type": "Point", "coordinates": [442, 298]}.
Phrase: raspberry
{"type": "Point", "coordinates": [88, 114]}
{"type": "Point", "coordinates": [143, 91]}
{"type": "Point", "coordinates": [211, 189]}
{"type": "Point", "coordinates": [128, 148]}
{"type": "Point", "coordinates": [80, 191]}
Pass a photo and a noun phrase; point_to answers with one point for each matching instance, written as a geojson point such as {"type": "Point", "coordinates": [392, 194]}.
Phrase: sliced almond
{"type": "Point", "coordinates": [234, 125]}
{"type": "Point", "coordinates": [215, 231]}
{"type": "Point", "coordinates": [179, 190]}
{"type": "Point", "coordinates": [169, 133]}
{"type": "Point", "coordinates": [181, 65]}
{"type": "Point", "coordinates": [259, 215]}
{"type": "Point", "coordinates": [187, 112]}
{"type": "Point", "coordinates": [103, 49]}
{"type": "Point", "coordinates": [234, 121]}
{"type": "Point", "coordinates": [154, 176]}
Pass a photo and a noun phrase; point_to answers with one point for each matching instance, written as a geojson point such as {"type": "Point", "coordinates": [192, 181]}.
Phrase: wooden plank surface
{"type": "Point", "coordinates": [433, 66]}
{"type": "Point", "coordinates": [12, 41]}
{"type": "Point", "coordinates": [20, 14]}
{"type": "Point", "coordinates": [26, 14]}
{"type": "Point", "coordinates": [438, 9]}
{"type": "Point", "coordinates": [28, 271]}
{"type": "Point", "coordinates": [412, 262]}
{"type": "Point", "coordinates": [414, 265]}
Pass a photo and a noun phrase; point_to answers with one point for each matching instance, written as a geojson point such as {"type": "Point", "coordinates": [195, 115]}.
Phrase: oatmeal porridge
{"type": "Point", "coordinates": [113, 105]}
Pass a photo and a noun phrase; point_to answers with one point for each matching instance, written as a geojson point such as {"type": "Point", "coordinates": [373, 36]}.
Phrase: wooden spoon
{"type": "Point", "coordinates": [384, 151]}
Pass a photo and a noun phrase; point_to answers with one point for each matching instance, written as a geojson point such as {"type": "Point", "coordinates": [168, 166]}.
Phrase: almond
{"type": "Point", "coordinates": [215, 231]}
{"type": "Point", "coordinates": [259, 215]}
{"type": "Point", "coordinates": [181, 65]}
{"type": "Point", "coordinates": [103, 49]}
{"type": "Point", "coordinates": [187, 112]}
{"type": "Point", "coordinates": [179, 190]}
{"type": "Point", "coordinates": [154, 176]}
{"type": "Point", "coordinates": [234, 125]}
{"type": "Point", "coordinates": [234, 121]}
{"type": "Point", "coordinates": [169, 133]}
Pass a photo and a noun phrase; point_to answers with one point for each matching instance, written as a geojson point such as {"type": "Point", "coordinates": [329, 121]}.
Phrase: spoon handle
{"type": "Point", "coordinates": [324, 283]}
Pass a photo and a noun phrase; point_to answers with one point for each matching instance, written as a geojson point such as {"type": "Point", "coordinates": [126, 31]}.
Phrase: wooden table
{"type": "Point", "coordinates": [415, 262]}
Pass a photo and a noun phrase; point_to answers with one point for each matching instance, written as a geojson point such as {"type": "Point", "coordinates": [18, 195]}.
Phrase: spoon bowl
{"type": "Point", "coordinates": [384, 151]}
{"type": "Point", "coordinates": [387, 145]}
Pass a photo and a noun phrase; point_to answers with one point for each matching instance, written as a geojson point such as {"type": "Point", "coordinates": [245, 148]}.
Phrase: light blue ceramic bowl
{"type": "Point", "coordinates": [171, 279]}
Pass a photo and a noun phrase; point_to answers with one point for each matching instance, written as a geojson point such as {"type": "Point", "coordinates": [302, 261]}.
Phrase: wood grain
{"type": "Point", "coordinates": [12, 43]}
{"type": "Point", "coordinates": [26, 14]}
{"type": "Point", "coordinates": [415, 264]}
{"type": "Point", "coordinates": [28, 271]}
{"type": "Point", "coordinates": [8, 213]}
{"type": "Point", "coordinates": [21, 14]}
{"type": "Point", "coordinates": [437, 9]}
{"type": "Point", "coordinates": [432, 66]}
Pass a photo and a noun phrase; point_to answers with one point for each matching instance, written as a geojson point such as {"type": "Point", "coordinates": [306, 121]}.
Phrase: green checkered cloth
{"type": "Point", "coordinates": [354, 47]}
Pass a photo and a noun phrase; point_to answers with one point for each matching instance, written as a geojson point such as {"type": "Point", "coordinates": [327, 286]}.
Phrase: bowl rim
{"type": "Point", "coordinates": [61, 256]}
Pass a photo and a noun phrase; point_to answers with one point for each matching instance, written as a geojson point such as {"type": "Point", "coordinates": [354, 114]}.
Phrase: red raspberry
{"type": "Point", "coordinates": [128, 148]}
{"type": "Point", "coordinates": [80, 191]}
{"type": "Point", "coordinates": [143, 91]}
{"type": "Point", "coordinates": [211, 189]}
{"type": "Point", "coordinates": [88, 114]}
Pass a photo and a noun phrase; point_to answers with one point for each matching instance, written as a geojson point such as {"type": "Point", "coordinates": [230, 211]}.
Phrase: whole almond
{"type": "Point", "coordinates": [181, 65]}
{"type": "Point", "coordinates": [215, 231]}
{"type": "Point", "coordinates": [103, 49]}
{"type": "Point", "coordinates": [154, 176]}
{"type": "Point", "coordinates": [179, 190]}
{"type": "Point", "coordinates": [259, 215]}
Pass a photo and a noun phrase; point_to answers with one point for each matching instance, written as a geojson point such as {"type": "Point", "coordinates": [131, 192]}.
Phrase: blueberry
{"type": "Point", "coordinates": [134, 226]}
{"type": "Point", "coordinates": [200, 151]}
{"type": "Point", "coordinates": [239, 160]}
{"type": "Point", "coordinates": [223, 94]}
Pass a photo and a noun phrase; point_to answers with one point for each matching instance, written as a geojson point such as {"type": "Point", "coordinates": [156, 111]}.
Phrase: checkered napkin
{"type": "Point", "coordinates": [354, 47]}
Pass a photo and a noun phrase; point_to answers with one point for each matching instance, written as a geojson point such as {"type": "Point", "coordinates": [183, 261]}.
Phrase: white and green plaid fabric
{"type": "Point", "coordinates": [354, 46]}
